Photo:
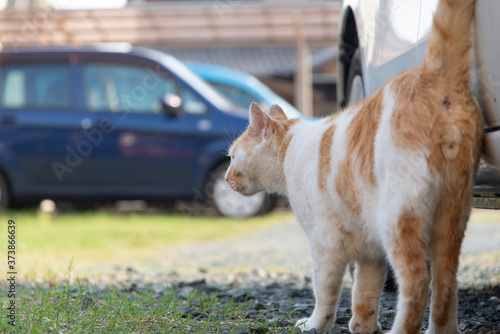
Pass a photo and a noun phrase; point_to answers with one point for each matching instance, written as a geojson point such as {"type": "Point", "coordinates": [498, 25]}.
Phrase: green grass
{"type": "Point", "coordinates": [54, 253]}
{"type": "Point", "coordinates": [47, 244]}
{"type": "Point", "coordinates": [79, 309]}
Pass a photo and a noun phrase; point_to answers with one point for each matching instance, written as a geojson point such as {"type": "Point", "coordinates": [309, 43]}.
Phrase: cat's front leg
{"type": "Point", "coordinates": [328, 270]}
{"type": "Point", "coordinates": [368, 280]}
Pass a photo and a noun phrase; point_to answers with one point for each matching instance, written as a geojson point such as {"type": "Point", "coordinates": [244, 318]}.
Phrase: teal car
{"type": "Point", "coordinates": [240, 88]}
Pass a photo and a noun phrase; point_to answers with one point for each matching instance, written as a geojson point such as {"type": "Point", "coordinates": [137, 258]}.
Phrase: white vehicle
{"type": "Point", "coordinates": [380, 39]}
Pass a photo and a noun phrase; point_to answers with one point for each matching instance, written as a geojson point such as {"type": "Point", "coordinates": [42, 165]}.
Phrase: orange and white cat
{"type": "Point", "coordinates": [389, 178]}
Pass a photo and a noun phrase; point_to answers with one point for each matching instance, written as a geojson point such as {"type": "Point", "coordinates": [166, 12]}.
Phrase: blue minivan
{"type": "Point", "coordinates": [113, 122]}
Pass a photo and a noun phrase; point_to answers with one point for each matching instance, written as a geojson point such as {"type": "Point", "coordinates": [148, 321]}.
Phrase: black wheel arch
{"type": "Point", "coordinates": [349, 43]}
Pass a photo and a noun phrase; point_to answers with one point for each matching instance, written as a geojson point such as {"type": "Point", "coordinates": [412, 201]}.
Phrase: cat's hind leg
{"type": "Point", "coordinates": [449, 228]}
{"type": "Point", "coordinates": [407, 251]}
{"type": "Point", "coordinates": [328, 270]}
{"type": "Point", "coordinates": [368, 280]}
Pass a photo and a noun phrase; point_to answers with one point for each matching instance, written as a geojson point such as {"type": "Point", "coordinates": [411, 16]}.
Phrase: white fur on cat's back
{"type": "Point", "coordinates": [301, 172]}
{"type": "Point", "coordinates": [402, 176]}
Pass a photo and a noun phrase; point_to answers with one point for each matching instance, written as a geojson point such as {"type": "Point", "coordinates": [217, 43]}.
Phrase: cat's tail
{"type": "Point", "coordinates": [450, 41]}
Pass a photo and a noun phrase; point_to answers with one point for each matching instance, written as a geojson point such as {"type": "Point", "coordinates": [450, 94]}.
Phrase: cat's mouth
{"type": "Point", "coordinates": [239, 188]}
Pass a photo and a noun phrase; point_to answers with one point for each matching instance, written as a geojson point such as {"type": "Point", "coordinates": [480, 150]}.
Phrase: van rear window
{"type": "Point", "coordinates": [36, 86]}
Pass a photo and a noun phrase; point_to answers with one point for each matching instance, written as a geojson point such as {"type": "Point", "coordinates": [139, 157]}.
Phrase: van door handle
{"type": "Point", "coordinates": [103, 124]}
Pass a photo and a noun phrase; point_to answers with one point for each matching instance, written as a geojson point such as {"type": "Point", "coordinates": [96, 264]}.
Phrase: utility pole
{"type": "Point", "coordinates": [303, 73]}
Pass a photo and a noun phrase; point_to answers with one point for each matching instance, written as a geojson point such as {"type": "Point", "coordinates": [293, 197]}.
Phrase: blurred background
{"type": "Point", "coordinates": [266, 51]}
{"type": "Point", "coordinates": [107, 111]}
{"type": "Point", "coordinates": [56, 152]}
{"type": "Point", "coordinates": [291, 46]}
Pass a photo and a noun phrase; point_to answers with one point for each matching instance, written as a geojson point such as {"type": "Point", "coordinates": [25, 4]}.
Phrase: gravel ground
{"type": "Point", "coordinates": [271, 270]}
{"type": "Point", "coordinates": [271, 295]}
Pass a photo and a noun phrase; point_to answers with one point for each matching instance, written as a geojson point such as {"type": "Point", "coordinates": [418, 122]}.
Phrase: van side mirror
{"type": "Point", "coordinates": [171, 105]}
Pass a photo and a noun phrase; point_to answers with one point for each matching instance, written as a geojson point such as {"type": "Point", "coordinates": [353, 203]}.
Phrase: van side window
{"type": "Point", "coordinates": [132, 88]}
{"type": "Point", "coordinates": [36, 85]}
{"type": "Point", "coordinates": [129, 88]}
{"type": "Point", "coordinates": [191, 104]}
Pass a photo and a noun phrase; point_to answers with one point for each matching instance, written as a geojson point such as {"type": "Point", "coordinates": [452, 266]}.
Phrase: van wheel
{"type": "Point", "coordinates": [4, 194]}
{"type": "Point", "coordinates": [231, 204]}
{"type": "Point", "coordinates": [355, 85]}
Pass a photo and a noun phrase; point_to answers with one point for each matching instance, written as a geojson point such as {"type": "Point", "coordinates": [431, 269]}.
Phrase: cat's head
{"type": "Point", "coordinates": [255, 164]}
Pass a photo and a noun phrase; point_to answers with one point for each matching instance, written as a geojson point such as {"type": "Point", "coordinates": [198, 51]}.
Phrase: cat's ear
{"type": "Point", "coordinates": [275, 112]}
{"type": "Point", "coordinates": [259, 121]}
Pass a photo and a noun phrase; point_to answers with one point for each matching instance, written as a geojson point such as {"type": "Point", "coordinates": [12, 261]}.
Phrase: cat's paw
{"type": "Point", "coordinates": [363, 326]}
{"type": "Point", "coordinates": [451, 330]}
{"type": "Point", "coordinates": [307, 324]}
{"type": "Point", "coordinates": [302, 324]}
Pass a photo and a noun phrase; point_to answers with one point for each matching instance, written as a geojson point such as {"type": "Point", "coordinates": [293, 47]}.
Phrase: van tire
{"type": "Point", "coordinates": [4, 193]}
{"type": "Point", "coordinates": [355, 88]}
